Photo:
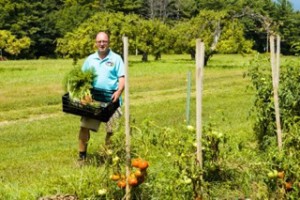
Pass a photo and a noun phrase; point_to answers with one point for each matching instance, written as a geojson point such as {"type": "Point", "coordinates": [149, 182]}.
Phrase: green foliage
{"type": "Point", "coordinates": [217, 5]}
{"type": "Point", "coordinates": [285, 161]}
{"type": "Point", "coordinates": [287, 21]}
{"type": "Point", "coordinates": [45, 22]}
{"type": "Point", "coordinates": [289, 96]}
{"type": "Point", "coordinates": [290, 34]}
{"type": "Point", "coordinates": [31, 19]}
{"type": "Point", "coordinates": [70, 17]}
{"type": "Point", "coordinates": [295, 47]}
{"type": "Point", "coordinates": [127, 6]}
{"type": "Point", "coordinates": [78, 83]}
{"type": "Point", "coordinates": [10, 44]}
{"type": "Point", "coordinates": [202, 26]}
{"type": "Point", "coordinates": [152, 37]}
{"type": "Point", "coordinates": [180, 10]}
{"type": "Point", "coordinates": [75, 46]}
{"type": "Point", "coordinates": [233, 39]}
{"type": "Point", "coordinates": [217, 32]}
{"type": "Point", "coordinates": [5, 36]}
{"type": "Point", "coordinates": [146, 36]}
{"type": "Point", "coordinates": [36, 133]}
{"type": "Point", "coordinates": [80, 42]}
{"type": "Point", "coordinates": [260, 75]}
{"type": "Point", "coordinates": [265, 127]}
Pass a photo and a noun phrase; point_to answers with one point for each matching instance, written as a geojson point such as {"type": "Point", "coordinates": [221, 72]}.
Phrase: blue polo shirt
{"type": "Point", "coordinates": [108, 70]}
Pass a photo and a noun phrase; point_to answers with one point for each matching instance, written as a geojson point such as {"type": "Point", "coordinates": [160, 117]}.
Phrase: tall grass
{"type": "Point", "coordinates": [39, 141]}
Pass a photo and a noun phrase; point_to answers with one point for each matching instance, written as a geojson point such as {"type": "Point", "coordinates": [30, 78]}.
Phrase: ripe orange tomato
{"type": "Point", "coordinates": [288, 186]}
{"type": "Point", "coordinates": [122, 184]}
{"type": "Point", "coordinates": [135, 162]}
{"type": "Point", "coordinates": [132, 180]}
{"type": "Point", "coordinates": [143, 165]}
{"type": "Point", "coordinates": [280, 175]}
{"type": "Point", "coordinates": [115, 177]}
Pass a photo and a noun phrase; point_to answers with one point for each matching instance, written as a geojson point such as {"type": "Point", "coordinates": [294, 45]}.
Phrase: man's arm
{"type": "Point", "coordinates": [121, 87]}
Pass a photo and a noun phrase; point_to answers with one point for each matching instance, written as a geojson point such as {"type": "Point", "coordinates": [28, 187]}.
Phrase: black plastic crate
{"type": "Point", "coordinates": [102, 113]}
{"type": "Point", "coordinates": [102, 95]}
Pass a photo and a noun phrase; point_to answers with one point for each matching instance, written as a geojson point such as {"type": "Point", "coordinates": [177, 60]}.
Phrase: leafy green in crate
{"type": "Point", "coordinates": [78, 84]}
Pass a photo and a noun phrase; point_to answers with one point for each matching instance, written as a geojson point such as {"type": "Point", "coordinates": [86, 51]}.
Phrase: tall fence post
{"type": "Point", "coordinates": [199, 80]}
{"type": "Point", "coordinates": [275, 64]}
{"type": "Point", "coordinates": [127, 115]}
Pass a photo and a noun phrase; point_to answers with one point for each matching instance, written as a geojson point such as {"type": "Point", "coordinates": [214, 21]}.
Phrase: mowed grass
{"type": "Point", "coordinates": [39, 141]}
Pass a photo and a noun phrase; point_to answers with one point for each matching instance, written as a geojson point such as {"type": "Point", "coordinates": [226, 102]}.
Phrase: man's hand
{"type": "Point", "coordinates": [116, 95]}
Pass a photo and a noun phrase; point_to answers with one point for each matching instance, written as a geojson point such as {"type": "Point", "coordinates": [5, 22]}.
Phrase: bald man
{"type": "Point", "coordinates": [109, 68]}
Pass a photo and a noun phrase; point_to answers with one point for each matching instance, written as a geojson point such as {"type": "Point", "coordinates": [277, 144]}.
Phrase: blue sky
{"type": "Point", "coordinates": [296, 4]}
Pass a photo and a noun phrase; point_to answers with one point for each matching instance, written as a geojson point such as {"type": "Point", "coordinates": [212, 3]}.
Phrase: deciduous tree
{"type": "Point", "coordinates": [10, 44]}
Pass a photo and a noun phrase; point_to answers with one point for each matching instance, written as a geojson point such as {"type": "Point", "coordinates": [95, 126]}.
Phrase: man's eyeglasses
{"type": "Point", "coordinates": [102, 41]}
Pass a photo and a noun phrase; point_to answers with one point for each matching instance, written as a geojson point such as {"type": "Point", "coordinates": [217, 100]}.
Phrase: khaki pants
{"type": "Point", "coordinates": [94, 124]}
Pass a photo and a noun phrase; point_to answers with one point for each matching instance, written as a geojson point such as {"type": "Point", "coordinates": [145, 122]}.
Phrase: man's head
{"type": "Point", "coordinates": [102, 44]}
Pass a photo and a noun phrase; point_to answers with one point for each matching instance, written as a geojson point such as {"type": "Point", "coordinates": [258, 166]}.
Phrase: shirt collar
{"type": "Point", "coordinates": [96, 56]}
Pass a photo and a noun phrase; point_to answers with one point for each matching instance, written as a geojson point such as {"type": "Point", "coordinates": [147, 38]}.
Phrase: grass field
{"type": "Point", "coordinates": [39, 141]}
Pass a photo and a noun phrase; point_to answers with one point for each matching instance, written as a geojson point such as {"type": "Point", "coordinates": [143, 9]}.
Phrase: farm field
{"type": "Point", "coordinates": [39, 141]}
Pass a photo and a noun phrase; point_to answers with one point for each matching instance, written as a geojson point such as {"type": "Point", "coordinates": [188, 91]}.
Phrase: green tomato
{"type": "Point", "coordinates": [271, 175]}
{"type": "Point", "coordinates": [116, 159]}
{"type": "Point", "coordinates": [190, 128]}
{"type": "Point", "coordinates": [102, 191]}
{"type": "Point", "coordinates": [187, 181]}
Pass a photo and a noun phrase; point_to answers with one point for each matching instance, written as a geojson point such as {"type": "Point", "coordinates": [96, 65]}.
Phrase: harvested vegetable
{"type": "Point", "coordinates": [79, 84]}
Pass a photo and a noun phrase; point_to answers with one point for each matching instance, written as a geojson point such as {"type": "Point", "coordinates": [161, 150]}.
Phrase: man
{"type": "Point", "coordinates": [109, 68]}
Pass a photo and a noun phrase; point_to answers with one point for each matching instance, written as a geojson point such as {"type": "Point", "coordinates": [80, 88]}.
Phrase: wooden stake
{"type": "Point", "coordinates": [275, 64]}
{"type": "Point", "coordinates": [127, 120]}
{"type": "Point", "coordinates": [199, 80]}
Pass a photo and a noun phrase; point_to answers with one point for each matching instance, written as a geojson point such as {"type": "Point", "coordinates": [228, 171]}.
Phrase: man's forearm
{"type": "Point", "coordinates": [121, 84]}
{"type": "Point", "coordinates": [121, 87]}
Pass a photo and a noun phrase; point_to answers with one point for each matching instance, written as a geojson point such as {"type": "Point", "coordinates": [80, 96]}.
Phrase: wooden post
{"type": "Point", "coordinates": [275, 64]}
{"type": "Point", "coordinates": [199, 80]}
{"type": "Point", "coordinates": [127, 120]}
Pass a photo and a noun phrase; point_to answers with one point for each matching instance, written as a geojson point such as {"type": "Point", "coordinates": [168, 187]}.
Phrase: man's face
{"type": "Point", "coordinates": [102, 43]}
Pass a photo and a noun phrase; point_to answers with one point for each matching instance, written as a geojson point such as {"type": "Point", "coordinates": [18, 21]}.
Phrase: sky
{"type": "Point", "coordinates": [296, 4]}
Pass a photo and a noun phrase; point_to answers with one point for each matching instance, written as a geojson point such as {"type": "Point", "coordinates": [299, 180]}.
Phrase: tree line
{"type": "Point", "coordinates": [66, 28]}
